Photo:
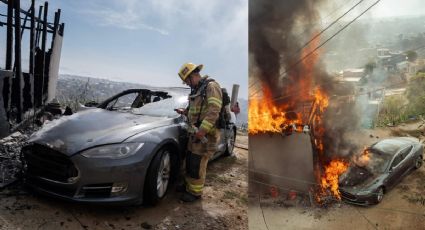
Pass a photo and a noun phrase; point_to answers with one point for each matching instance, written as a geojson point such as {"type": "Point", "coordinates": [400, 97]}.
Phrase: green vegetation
{"type": "Point", "coordinates": [399, 108]}
{"type": "Point", "coordinates": [416, 94]}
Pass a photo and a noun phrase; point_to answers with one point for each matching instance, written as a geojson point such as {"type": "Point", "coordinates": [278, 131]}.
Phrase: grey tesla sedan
{"type": "Point", "coordinates": [126, 150]}
{"type": "Point", "coordinates": [389, 160]}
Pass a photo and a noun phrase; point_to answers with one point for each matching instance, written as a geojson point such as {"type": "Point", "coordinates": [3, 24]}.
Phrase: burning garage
{"type": "Point", "coordinates": [301, 117]}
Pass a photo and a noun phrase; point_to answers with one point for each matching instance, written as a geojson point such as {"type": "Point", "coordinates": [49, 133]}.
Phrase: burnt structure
{"type": "Point", "coordinates": [24, 94]}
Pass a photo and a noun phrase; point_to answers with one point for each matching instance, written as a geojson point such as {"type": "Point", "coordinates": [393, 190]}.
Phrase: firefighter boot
{"type": "Point", "coordinates": [189, 197]}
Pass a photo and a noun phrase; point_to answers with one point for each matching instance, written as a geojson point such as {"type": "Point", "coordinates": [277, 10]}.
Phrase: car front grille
{"type": "Point", "coordinates": [45, 162]}
{"type": "Point", "coordinates": [347, 195]}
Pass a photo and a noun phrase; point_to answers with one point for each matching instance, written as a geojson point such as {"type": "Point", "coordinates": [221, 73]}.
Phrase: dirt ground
{"type": "Point", "coordinates": [403, 207]}
{"type": "Point", "coordinates": [224, 205]}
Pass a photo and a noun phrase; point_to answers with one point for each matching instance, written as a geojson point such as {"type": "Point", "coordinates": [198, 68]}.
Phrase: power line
{"type": "Point", "coordinates": [321, 32]}
{"type": "Point", "coordinates": [326, 41]}
{"type": "Point", "coordinates": [329, 26]}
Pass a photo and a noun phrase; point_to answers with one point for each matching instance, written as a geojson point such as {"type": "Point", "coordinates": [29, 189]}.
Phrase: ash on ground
{"type": "Point", "coordinates": [10, 158]}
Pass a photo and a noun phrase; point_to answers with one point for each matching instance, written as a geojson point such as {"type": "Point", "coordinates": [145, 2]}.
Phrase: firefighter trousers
{"type": "Point", "coordinates": [197, 161]}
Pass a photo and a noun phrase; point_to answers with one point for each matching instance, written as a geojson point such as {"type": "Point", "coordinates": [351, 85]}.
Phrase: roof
{"type": "Point", "coordinates": [393, 145]}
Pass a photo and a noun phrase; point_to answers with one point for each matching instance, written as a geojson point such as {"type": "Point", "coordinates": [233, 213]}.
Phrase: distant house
{"type": "Point", "coordinates": [349, 74]}
{"type": "Point", "coordinates": [390, 60]}
{"type": "Point", "coordinates": [407, 67]}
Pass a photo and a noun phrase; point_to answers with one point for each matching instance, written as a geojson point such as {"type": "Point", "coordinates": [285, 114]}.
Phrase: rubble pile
{"type": "Point", "coordinates": [10, 162]}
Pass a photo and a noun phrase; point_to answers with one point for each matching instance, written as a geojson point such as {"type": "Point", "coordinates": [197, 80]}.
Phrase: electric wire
{"type": "Point", "coordinates": [323, 43]}
{"type": "Point", "coordinates": [322, 31]}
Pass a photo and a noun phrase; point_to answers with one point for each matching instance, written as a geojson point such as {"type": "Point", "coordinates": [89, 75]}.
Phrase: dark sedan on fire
{"type": "Point", "coordinates": [126, 150]}
{"type": "Point", "coordinates": [387, 162]}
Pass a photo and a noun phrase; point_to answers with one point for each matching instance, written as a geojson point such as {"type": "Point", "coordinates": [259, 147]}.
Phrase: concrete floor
{"type": "Point", "coordinates": [396, 211]}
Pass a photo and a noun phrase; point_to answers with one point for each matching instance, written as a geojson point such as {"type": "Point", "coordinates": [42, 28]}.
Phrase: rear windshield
{"type": "Point", "coordinates": [163, 108]}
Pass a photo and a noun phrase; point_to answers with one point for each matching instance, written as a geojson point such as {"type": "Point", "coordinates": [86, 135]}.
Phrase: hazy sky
{"type": "Point", "coordinates": [383, 9]}
{"type": "Point", "coordinates": [146, 41]}
{"type": "Point", "coordinates": [392, 8]}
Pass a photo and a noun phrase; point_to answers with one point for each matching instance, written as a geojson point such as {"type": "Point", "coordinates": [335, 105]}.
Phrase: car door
{"type": "Point", "coordinates": [407, 161]}
{"type": "Point", "coordinates": [395, 171]}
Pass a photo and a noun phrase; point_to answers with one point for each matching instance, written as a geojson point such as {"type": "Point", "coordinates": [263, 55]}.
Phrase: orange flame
{"type": "Point", "coordinates": [330, 178]}
{"type": "Point", "coordinates": [265, 116]}
{"type": "Point", "coordinates": [363, 159]}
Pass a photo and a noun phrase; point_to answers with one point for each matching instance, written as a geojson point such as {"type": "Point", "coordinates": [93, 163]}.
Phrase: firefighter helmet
{"type": "Point", "coordinates": [187, 69]}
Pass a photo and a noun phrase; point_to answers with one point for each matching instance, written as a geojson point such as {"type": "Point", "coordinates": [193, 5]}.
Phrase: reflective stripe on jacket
{"type": "Point", "coordinates": [211, 107]}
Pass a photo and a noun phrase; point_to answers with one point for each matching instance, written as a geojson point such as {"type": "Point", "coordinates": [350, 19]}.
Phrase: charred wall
{"type": "Point", "coordinates": [23, 94]}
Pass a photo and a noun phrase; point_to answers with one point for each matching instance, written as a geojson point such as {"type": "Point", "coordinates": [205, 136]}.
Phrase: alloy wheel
{"type": "Point", "coordinates": [418, 162]}
{"type": "Point", "coordinates": [163, 174]}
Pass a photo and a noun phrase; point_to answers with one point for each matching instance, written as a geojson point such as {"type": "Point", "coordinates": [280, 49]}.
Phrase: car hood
{"type": "Point", "coordinates": [82, 130]}
{"type": "Point", "coordinates": [358, 178]}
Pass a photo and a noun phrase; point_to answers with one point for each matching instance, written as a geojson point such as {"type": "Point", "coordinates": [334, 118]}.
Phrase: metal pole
{"type": "Point", "coordinates": [18, 67]}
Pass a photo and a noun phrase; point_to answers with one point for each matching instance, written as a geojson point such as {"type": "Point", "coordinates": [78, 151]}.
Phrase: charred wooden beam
{"type": "Point", "coordinates": [32, 51]}
{"type": "Point", "coordinates": [25, 27]}
{"type": "Point", "coordinates": [37, 39]}
{"type": "Point", "coordinates": [7, 91]}
{"type": "Point", "coordinates": [38, 19]}
{"type": "Point", "coordinates": [43, 50]}
{"type": "Point", "coordinates": [17, 86]}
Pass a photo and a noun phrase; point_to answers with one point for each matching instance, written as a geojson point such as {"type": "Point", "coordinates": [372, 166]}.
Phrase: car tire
{"type": "Point", "coordinates": [418, 162]}
{"type": "Point", "coordinates": [230, 144]}
{"type": "Point", "coordinates": [379, 195]}
{"type": "Point", "coordinates": [158, 177]}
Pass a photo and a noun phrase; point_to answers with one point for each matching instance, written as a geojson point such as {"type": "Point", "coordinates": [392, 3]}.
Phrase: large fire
{"type": "Point", "coordinates": [330, 178]}
{"type": "Point", "coordinates": [266, 115]}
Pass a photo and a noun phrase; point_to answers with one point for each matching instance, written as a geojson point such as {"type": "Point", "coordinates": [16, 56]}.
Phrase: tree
{"type": "Point", "coordinates": [392, 110]}
{"type": "Point", "coordinates": [411, 55]}
{"type": "Point", "coordinates": [416, 94]}
{"type": "Point", "coordinates": [369, 67]}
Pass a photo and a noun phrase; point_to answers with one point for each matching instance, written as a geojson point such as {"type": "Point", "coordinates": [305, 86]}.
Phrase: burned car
{"type": "Point", "coordinates": [381, 167]}
{"type": "Point", "coordinates": [126, 150]}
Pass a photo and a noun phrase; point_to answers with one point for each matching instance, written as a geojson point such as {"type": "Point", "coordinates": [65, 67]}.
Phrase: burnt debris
{"type": "Point", "coordinates": [24, 94]}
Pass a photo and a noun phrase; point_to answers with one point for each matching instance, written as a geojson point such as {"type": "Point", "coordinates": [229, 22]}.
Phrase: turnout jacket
{"type": "Point", "coordinates": [205, 104]}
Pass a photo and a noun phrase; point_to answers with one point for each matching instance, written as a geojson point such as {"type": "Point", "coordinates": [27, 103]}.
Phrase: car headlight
{"type": "Point", "coordinates": [115, 151]}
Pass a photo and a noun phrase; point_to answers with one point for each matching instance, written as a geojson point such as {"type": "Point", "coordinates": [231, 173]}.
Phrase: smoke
{"type": "Point", "coordinates": [277, 35]}
{"type": "Point", "coordinates": [274, 39]}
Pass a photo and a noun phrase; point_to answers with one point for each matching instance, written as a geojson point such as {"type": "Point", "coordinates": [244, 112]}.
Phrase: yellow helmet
{"type": "Point", "coordinates": [187, 69]}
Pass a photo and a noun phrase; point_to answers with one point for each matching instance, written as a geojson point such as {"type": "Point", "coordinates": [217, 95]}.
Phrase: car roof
{"type": "Point", "coordinates": [393, 145]}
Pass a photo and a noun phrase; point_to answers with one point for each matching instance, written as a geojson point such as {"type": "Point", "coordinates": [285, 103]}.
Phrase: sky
{"type": "Point", "coordinates": [147, 41]}
{"type": "Point", "coordinates": [332, 9]}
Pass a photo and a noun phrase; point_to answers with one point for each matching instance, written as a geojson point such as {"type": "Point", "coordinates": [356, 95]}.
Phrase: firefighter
{"type": "Point", "coordinates": [205, 101]}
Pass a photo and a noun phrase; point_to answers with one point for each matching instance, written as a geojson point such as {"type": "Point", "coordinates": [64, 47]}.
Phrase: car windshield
{"type": "Point", "coordinates": [163, 108]}
{"type": "Point", "coordinates": [388, 146]}
{"type": "Point", "coordinates": [379, 161]}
